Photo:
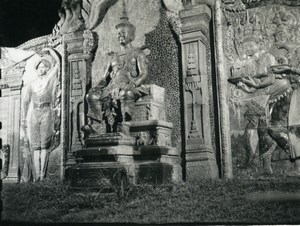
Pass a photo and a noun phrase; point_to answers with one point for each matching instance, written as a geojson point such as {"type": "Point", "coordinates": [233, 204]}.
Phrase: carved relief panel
{"type": "Point", "coordinates": [193, 94]}
{"type": "Point", "coordinates": [261, 41]}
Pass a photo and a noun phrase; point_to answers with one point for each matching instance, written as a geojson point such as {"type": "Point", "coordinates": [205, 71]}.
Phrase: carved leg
{"type": "Point", "coordinates": [267, 161]}
{"type": "Point", "coordinates": [294, 145]}
{"type": "Point", "coordinates": [123, 108]}
{"type": "Point", "coordinates": [44, 153]}
{"type": "Point", "coordinates": [266, 147]}
{"type": "Point", "coordinates": [250, 145]}
{"type": "Point", "coordinates": [36, 163]}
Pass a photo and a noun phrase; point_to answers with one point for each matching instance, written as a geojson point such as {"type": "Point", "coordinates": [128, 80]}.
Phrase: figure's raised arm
{"type": "Point", "coordinates": [56, 58]}
{"type": "Point", "coordinates": [25, 104]}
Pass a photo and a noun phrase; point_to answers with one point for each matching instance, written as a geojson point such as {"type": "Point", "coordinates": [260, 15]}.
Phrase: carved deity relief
{"type": "Point", "coordinates": [259, 44]}
{"type": "Point", "coordinates": [40, 118]}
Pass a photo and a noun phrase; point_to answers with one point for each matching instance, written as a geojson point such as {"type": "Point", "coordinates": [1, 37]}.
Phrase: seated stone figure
{"type": "Point", "coordinates": [111, 102]}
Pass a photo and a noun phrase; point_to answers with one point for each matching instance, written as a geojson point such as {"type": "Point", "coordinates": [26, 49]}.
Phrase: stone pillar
{"type": "Point", "coordinates": [195, 45]}
{"type": "Point", "coordinates": [222, 95]}
{"type": "Point", "coordinates": [75, 83]}
{"type": "Point", "coordinates": [10, 105]}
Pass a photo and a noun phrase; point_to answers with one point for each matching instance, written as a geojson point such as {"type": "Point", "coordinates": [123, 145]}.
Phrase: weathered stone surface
{"type": "Point", "coordinates": [260, 42]}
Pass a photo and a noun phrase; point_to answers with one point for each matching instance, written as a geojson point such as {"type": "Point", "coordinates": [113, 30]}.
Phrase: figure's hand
{"type": "Point", "coordinates": [281, 69]}
{"type": "Point", "coordinates": [133, 84]}
{"type": "Point", "coordinates": [241, 85]}
{"type": "Point", "coordinates": [249, 81]}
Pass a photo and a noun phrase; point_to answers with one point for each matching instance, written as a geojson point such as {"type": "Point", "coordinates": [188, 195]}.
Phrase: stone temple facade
{"type": "Point", "coordinates": [157, 91]}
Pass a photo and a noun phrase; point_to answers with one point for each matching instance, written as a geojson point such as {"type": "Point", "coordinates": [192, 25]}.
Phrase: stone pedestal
{"type": "Point", "coordinates": [144, 155]}
{"type": "Point", "coordinates": [151, 164]}
{"type": "Point", "coordinates": [195, 44]}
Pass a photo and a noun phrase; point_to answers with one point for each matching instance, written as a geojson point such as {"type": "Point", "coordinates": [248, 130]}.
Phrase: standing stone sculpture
{"type": "Point", "coordinates": [111, 102]}
{"type": "Point", "coordinates": [42, 94]}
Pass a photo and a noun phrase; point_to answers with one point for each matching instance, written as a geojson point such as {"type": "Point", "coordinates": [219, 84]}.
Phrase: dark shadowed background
{"type": "Point", "coordinates": [22, 20]}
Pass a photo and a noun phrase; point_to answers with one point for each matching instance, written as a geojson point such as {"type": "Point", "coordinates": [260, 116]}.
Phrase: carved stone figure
{"type": "Point", "coordinates": [111, 102]}
{"type": "Point", "coordinates": [41, 93]}
{"type": "Point", "coordinates": [254, 76]}
{"type": "Point", "coordinates": [292, 141]}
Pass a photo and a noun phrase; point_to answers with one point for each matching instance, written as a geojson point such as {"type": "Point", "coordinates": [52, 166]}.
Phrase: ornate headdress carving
{"type": "Point", "coordinates": [252, 30]}
{"type": "Point", "coordinates": [124, 20]}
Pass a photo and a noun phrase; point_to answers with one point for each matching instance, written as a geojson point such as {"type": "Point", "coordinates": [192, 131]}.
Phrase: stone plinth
{"type": "Point", "coordinates": [109, 139]}
{"type": "Point", "coordinates": [152, 164]}
{"type": "Point", "coordinates": [144, 155]}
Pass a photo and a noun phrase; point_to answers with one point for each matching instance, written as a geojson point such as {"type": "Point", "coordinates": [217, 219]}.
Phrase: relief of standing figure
{"type": "Point", "coordinates": [42, 95]}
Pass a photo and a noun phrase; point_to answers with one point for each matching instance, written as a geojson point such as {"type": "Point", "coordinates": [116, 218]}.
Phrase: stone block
{"type": "Point", "coordinates": [151, 164]}
{"type": "Point", "coordinates": [109, 139]}
{"type": "Point", "coordinates": [149, 110]}
{"type": "Point", "coordinates": [151, 106]}
{"type": "Point", "coordinates": [156, 93]}
{"type": "Point", "coordinates": [152, 132]}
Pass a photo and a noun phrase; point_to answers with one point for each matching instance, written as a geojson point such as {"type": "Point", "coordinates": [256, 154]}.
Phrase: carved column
{"type": "Point", "coordinates": [10, 105]}
{"type": "Point", "coordinates": [195, 45]}
{"type": "Point", "coordinates": [76, 81]}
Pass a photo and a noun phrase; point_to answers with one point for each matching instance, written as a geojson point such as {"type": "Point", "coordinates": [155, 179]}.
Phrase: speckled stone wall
{"type": "Point", "coordinates": [153, 30]}
{"type": "Point", "coordinates": [164, 71]}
